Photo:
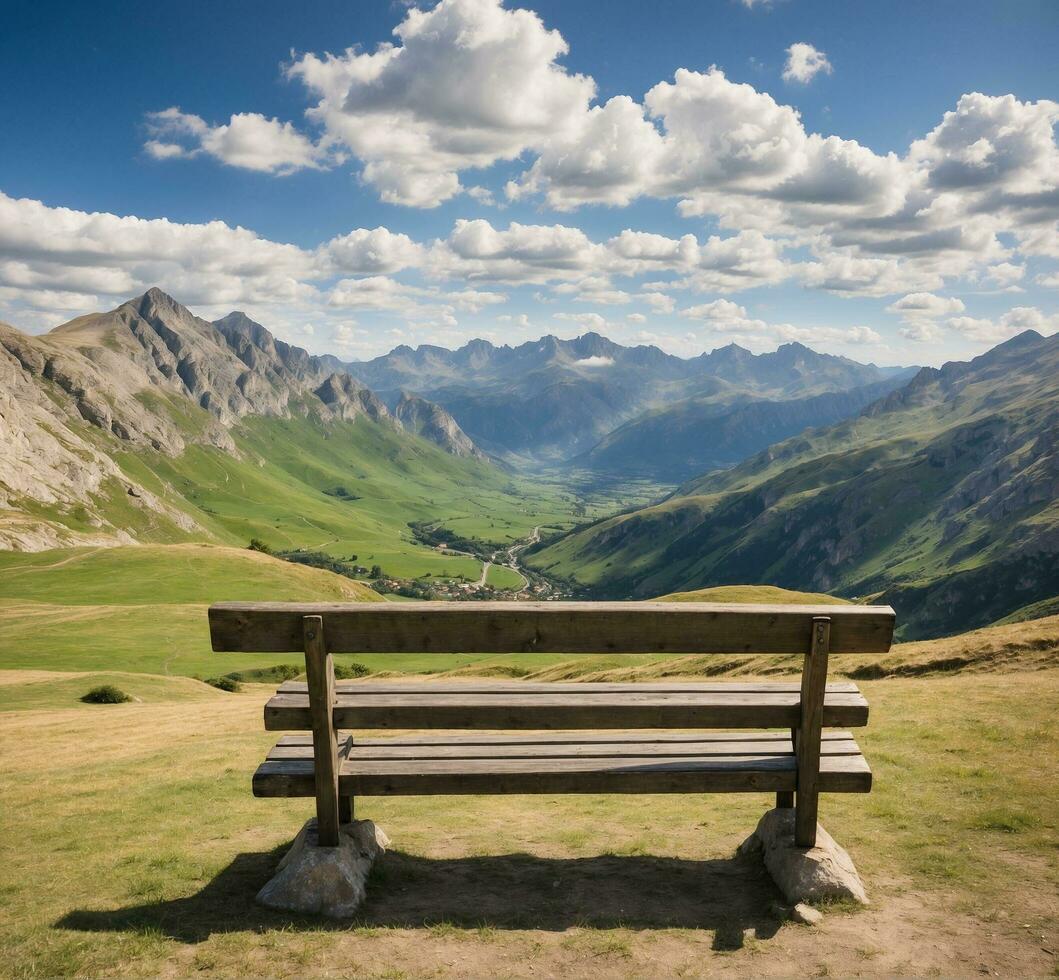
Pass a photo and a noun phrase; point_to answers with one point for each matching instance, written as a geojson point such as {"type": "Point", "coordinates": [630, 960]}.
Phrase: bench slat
{"type": "Point", "coordinates": [513, 709]}
{"type": "Point", "coordinates": [645, 767]}
{"type": "Point", "coordinates": [543, 627]}
{"type": "Point", "coordinates": [565, 738]}
{"type": "Point", "coordinates": [297, 747]}
{"type": "Point", "coordinates": [587, 687]}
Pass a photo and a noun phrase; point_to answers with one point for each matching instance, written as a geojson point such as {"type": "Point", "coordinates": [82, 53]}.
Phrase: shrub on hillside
{"type": "Point", "coordinates": [256, 544]}
{"type": "Point", "coordinates": [106, 694]}
{"type": "Point", "coordinates": [346, 672]}
{"type": "Point", "coordinates": [265, 675]}
{"type": "Point", "coordinates": [229, 684]}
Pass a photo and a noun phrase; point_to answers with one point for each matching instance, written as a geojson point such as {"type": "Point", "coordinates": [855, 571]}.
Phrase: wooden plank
{"type": "Point", "coordinates": [568, 738]}
{"type": "Point", "coordinates": [319, 670]}
{"type": "Point", "coordinates": [840, 774]}
{"type": "Point", "coordinates": [530, 748]}
{"type": "Point", "coordinates": [807, 748]}
{"type": "Point", "coordinates": [441, 688]}
{"type": "Point", "coordinates": [290, 712]}
{"type": "Point", "coordinates": [549, 627]}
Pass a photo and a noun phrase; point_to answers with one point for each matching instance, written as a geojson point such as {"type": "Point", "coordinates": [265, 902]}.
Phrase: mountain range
{"type": "Point", "coordinates": [553, 400]}
{"type": "Point", "coordinates": [941, 498]}
{"type": "Point", "coordinates": [92, 403]}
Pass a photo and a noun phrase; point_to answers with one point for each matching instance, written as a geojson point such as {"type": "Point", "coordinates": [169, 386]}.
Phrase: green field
{"type": "Point", "coordinates": [143, 609]}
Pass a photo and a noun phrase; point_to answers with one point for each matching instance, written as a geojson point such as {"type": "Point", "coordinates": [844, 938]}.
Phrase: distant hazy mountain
{"type": "Point", "coordinates": [77, 405]}
{"type": "Point", "coordinates": [555, 399]}
{"type": "Point", "coordinates": [941, 498]}
{"type": "Point", "coordinates": [674, 443]}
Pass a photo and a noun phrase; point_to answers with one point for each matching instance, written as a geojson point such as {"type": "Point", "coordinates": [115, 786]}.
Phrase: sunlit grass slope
{"type": "Point", "coordinates": [348, 488]}
{"type": "Point", "coordinates": [143, 608]}
{"type": "Point", "coordinates": [753, 593]}
{"type": "Point", "coordinates": [166, 574]}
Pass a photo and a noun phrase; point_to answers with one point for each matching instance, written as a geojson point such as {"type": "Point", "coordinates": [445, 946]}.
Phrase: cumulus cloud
{"type": "Point", "coordinates": [378, 250]}
{"type": "Point", "coordinates": [470, 83]}
{"type": "Point", "coordinates": [921, 332]}
{"type": "Point", "coordinates": [594, 322]}
{"type": "Point", "coordinates": [804, 63]}
{"type": "Point", "coordinates": [248, 140]}
{"type": "Point", "coordinates": [917, 307]}
{"type": "Point", "coordinates": [1010, 324]}
{"type": "Point", "coordinates": [723, 316]}
{"type": "Point", "coordinates": [465, 84]}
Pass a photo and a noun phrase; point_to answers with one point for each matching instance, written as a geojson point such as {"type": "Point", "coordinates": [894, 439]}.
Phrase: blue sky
{"type": "Point", "coordinates": [877, 180]}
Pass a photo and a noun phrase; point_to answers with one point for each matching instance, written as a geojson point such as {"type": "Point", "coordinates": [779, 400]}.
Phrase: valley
{"type": "Point", "coordinates": [554, 469]}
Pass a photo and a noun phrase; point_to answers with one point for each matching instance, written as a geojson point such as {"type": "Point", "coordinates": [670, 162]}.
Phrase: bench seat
{"type": "Point", "coordinates": [562, 706]}
{"type": "Point", "coordinates": [703, 762]}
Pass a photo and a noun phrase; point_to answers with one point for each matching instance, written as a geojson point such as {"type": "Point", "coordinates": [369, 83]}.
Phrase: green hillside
{"type": "Point", "coordinates": [341, 487]}
{"type": "Point", "coordinates": [942, 500]}
{"type": "Point", "coordinates": [170, 574]}
{"type": "Point", "coordinates": [143, 608]}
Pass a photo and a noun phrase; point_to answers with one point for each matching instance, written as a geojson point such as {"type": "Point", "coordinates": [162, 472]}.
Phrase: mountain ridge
{"type": "Point", "coordinates": [554, 400]}
{"type": "Point", "coordinates": [941, 498]}
{"type": "Point", "coordinates": [148, 375]}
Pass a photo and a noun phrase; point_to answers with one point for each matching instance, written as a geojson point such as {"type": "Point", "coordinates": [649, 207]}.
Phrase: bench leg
{"type": "Point", "coordinates": [320, 677]}
{"type": "Point", "coordinates": [814, 682]}
{"type": "Point", "coordinates": [345, 809]}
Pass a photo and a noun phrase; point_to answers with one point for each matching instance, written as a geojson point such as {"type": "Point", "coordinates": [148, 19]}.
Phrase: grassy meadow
{"type": "Point", "coordinates": [131, 846]}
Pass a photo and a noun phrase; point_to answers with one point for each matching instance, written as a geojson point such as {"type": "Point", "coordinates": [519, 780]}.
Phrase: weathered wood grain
{"type": "Point", "coordinates": [549, 627]}
{"type": "Point", "coordinates": [647, 773]}
{"type": "Point", "coordinates": [320, 675]}
{"type": "Point", "coordinates": [807, 747]}
{"type": "Point", "coordinates": [544, 747]}
{"type": "Point", "coordinates": [558, 688]}
{"type": "Point", "coordinates": [511, 709]}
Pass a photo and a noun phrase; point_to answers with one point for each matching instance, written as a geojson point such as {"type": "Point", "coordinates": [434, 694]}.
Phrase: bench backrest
{"type": "Point", "coordinates": [548, 627]}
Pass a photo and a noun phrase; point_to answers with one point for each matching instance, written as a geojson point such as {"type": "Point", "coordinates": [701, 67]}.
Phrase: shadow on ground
{"type": "Point", "coordinates": [511, 891]}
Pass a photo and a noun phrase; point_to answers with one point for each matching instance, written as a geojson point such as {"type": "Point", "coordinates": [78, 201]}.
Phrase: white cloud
{"type": "Point", "coordinates": [590, 321]}
{"type": "Point", "coordinates": [915, 308]}
{"type": "Point", "coordinates": [1013, 322]}
{"type": "Point", "coordinates": [719, 311]}
{"type": "Point", "coordinates": [722, 316]}
{"type": "Point", "coordinates": [376, 251]}
{"type": "Point", "coordinates": [595, 361]}
{"type": "Point", "coordinates": [804, 62]}
{"type": "Point", "coordinates": [248, 140]}
{"type": "Point", "coordinates": [467, 83]}
{"type": "Point", "coordinates": [921, 332]}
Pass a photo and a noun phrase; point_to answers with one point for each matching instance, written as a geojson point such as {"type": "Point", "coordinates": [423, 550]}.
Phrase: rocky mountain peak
{"type": "Point", "coordinates": [430, 421]}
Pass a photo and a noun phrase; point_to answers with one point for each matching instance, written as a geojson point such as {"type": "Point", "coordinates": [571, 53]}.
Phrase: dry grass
{"type": "Point", "coordinates": [131, 846]}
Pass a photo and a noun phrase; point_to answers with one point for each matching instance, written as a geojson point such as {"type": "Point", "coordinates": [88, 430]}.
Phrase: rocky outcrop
{"type": "Point", "coordinates": [50, 400]}
{"type": "Point", "coordinates": [346, 398]}
{"type": "Point", "coordinates": [431, 422]}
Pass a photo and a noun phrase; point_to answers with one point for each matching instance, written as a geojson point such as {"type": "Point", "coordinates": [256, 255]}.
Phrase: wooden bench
{"type": "Point", "coordinates": [797, 763]}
